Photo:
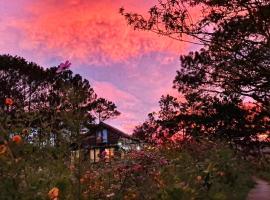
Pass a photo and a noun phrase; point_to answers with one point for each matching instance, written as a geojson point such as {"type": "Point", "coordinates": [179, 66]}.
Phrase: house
{"type": "Point", "coordinates": [104, 141]}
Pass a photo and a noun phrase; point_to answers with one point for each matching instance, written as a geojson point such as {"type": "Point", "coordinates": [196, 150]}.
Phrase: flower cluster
{"type": "Point", "coordinates": [9, 101]}
{"type": "Point", "coordinates": [63, 66]}
{"type": "Point", "coordinates": [54, 193]}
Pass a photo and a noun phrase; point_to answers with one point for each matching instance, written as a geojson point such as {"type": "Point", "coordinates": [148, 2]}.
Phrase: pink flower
{"type": "Point", "coordinates": [163, 162]}
{"type": "Point", "coordinates": [63, 66]}
{"type": "Point", "coordinates": [137, 168]}
{"type": "Point", "coordinates": [103, 154]}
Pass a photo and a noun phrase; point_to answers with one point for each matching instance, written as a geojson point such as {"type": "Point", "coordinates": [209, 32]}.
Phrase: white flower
{"type": "Point", "coordinates": [110, 195]}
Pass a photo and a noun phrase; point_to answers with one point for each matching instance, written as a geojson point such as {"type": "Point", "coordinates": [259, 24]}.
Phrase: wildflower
{"type": "Point", "coordinates": [103, 154]}
{"type": "Point", "coordinates": [63, 66]}
{"type": "Point", "coordinates": [110, 195]}
{"type": "Point", "coordinates": [221, 173]}
{"type": "Point", "coordinates": [17, 139]}
{"type": "Point", "coordinates": [25, 132]}
{"type": "Point", "coordinates": [163, 162]}
{"type": "Point", "coordinates": [82, 180]}
{"type": "Point", "coordinates": [137, 168]}
{"type": "Point", "coordinates": [72, 167]}
{"type": "Point", "coordinates": [199, 178]}
{"type": "Point", "coordinates": [9, 102]}
{"type": "Point", "coordinates": [54, 193]}
{"type": "Point", "coordinates": [3, 149]}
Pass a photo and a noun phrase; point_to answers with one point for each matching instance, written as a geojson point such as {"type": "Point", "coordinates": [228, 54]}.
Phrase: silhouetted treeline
{"type": "Point", "coordinates": [231, 68]}
{"type": "Point", "coordinates": [50, 103]}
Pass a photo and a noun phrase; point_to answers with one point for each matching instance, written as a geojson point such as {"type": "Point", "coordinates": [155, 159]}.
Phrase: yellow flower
{"type": "Point", "coordinates": [54, 193]}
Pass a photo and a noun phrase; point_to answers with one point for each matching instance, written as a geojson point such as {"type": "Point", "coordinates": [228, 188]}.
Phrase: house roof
{"type": "Point", "coordinates": [113, 129]}
{"type": "Point", "coordinates": [85, 138]}
{"type": "Point", "coordinates": [121, 133]}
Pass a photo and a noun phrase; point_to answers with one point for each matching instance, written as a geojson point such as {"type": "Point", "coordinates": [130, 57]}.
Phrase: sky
{"type": "Point", "coordinates": [131, 68]}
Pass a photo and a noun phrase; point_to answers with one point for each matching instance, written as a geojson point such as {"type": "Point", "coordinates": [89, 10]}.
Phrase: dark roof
{"type": "Point", "coordinates": [84, 139]}
{"type": "Point", "coordinates": [121, 133]}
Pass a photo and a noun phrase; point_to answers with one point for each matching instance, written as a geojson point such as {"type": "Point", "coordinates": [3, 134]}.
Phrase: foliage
{"type": "Point", "coordinates": [194, 171]}
{"type": "Point", "coordinates": [48, 102]}
{"type": "Point", "coordinates": [28, 172]}
{"type": "Point", "coordinates": [235, 39]}
{"type": "Point", "coordinates": [41, 112]}
{"type": "Point", "coordinates": [209, 117]}
{"type": "Point", "coordinates": [231, 68]}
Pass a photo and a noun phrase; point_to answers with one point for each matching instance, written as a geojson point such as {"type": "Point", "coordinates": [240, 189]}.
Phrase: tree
{"type": "Point", "coordinates": [236, 44]}
{"type": "Point", "coordinates": [104, 109]}
{"type": "Point", "coordinates": [46, 110]}
{"type": "Point", "coordinates": [57, 104]}
{"type": "Point", "coordinates": [231, 66]}
{"type": "Point", "coordinates": [147, 130]}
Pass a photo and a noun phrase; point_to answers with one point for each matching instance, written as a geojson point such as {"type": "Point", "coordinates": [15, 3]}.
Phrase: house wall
{"type": "Point", "coordinates": [94, 154]}
{"type": "Point", "coordinates": [116, 140]}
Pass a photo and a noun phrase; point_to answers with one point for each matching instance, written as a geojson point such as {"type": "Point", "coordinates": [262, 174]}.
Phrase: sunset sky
{"type": "Point", "coordinates": [131, 68]}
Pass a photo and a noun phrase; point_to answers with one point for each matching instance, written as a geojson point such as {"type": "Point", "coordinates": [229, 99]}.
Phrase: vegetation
{"type": "Point", "coordinates": [41, 113]}
{"type": "Point", "coordinates": [193, 171]}
{"type": "Point", "coordinates": [226, 82]}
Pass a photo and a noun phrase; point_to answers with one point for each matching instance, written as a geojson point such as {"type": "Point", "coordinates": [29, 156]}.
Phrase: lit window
{"type": "Point", "coordinates": [107, 155]}
{"type": "Point", "coordinates": [102, 136]}
{"type": "Point", "coordinates": [92, 155]}
{"type": "Point", "coordinates": [111, 152]}
{"type": "Point", "coordinates": [97, 155]}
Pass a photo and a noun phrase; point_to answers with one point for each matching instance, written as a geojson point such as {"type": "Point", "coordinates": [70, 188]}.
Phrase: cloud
{"type": "Point", "coordinates": [131, 107]}
{"type": "Point", "coordinates": [90, 31]}
{"type": "Point", "coordinates": [136, 90]}
{"type": "Point", "coordinates": [111, 92]}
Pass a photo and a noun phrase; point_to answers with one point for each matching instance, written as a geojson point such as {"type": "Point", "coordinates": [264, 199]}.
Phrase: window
{"type": "Point", "coordinates": [111, 152]}
{"type": "Point", "coordinates": [102, 136]}
{"type": "Point", "coordinates": [92, 155]}
{"type": "Point", "coordinates": [97, 155]}
{"type": "Point", "coordinates": [105, 135]}
{"type": "Point", "coordinates": [75, 155]}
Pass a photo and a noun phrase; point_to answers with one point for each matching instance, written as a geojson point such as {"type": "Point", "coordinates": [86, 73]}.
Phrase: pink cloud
{"type": "Point", "coordinates": [127, 104]}
{"type": "Point", "coordinates": [91, 31]}
{"type": "Point", "coordinates": [111, 92]}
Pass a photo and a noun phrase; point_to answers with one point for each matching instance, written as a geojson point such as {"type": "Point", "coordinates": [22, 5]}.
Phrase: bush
{"type": "Point", "coordinates": [201, 171]}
